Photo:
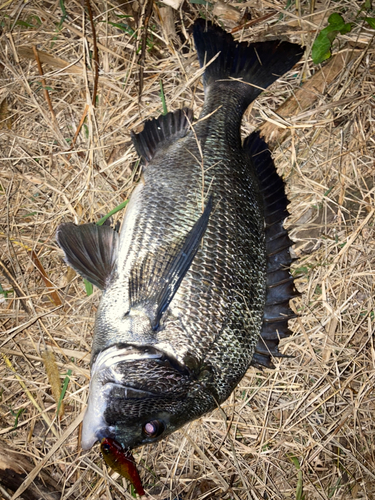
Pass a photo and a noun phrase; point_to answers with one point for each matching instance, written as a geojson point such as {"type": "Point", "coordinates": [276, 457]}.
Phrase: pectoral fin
{"type": "Point", "coordinates": [181, 264]}
{"type": "Point", "coordinates": [89, 249]}
{"type": "Point", "coordinates": [154, 281]}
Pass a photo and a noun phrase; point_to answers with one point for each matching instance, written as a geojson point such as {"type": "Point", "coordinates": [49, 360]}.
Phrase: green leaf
{"type": "Point", "coordinates": [336, 21]}
{"type": "Point", "coordinates": [297, 465]}
{"type": "Point", "coordinates": [367, 5]}
{"type": "Point", "coordinates": [199, 2]}
{"type": "Point", "coordinates": [162, 97]}
{"type": "Point", "coordinates": [301, 270]}
{"type": "Point", "coordinates": [321, 49]}
{"type": "Point", "coordinates": [88, 287]}
{"type": "Point", "coordinates": [63, 9]}
{"type": "Point", "coordinates": [5, 292]}
{"type": "Point", "coordinates": [64, 15]}
{"type": "Point", "coordinates": [24, 24]}
{"type": "Point", "coordinates": [36, 20]}
{"type": "Point", "coordinates": [17, 416]}
{"type": "Point", "coordinates": [112, 212]}
{"type": "Point", "coordinates": [123, 27]}
{"type": "Point", "coordinates": [295, 461]}
{"type": "Point", "coordinates": [370, 21]}
{"type": "Point", "coordinates": [299, 489]}
{"type": "Point", "coordinates": [64, 388]}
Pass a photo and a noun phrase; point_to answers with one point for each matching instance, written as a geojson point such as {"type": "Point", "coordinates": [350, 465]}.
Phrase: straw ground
{"type": "Point", "coordinates": [303, 430]}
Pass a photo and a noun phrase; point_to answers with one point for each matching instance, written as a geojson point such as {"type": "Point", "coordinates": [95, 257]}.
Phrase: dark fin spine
{"type": "Point", "coordinates": [89, 249]}
{"type": "Point", "coordinates": [259, 64]}
{"type": "Point", "coordinates": [160, 131]}
{"type": "Point", "coordinates": [280, 283]}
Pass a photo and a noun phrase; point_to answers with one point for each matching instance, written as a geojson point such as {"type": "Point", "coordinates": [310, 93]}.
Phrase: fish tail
{"type": "Point", "coordinates": [256, 65]}
{"type": "Point", "coordinates": [280, 282]}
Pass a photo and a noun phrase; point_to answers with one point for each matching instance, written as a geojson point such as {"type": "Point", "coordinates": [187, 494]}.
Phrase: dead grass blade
{"type": "Point", "coordinates": [30, 478]}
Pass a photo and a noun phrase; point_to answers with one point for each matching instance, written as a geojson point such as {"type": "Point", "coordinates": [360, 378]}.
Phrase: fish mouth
{"type": "Point", "coordinates": [105, 379]}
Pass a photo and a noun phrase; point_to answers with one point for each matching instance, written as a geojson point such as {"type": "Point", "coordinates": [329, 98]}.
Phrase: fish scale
{"type": "Point", "coordinates": [197, 285]}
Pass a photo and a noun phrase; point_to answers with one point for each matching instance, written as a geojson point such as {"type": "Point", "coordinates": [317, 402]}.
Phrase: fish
{"type": "Point", "coordinates": [197, 284]}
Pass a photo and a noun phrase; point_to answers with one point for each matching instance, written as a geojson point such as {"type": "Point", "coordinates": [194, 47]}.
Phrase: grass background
{"type": "Point", "coordinates": [304, 430]}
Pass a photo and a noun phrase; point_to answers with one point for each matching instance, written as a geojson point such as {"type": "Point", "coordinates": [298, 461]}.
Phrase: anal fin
{"type": "Point", "coordinates": [159, 132]}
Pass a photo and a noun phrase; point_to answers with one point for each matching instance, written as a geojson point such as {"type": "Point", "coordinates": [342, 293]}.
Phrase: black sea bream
{"type": "Point", "coordinates": [197, 285]}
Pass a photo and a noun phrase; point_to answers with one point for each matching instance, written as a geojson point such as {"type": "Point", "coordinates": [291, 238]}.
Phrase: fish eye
{"type": "Point", "coordinates": [153, 428]}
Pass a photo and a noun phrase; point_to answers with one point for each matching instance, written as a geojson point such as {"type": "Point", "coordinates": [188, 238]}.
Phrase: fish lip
{"type": "Point", "coordinates": [94, 426]}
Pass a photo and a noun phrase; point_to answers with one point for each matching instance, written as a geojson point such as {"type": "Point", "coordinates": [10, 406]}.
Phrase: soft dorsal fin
{"type": "Point", "coordinates": [280, 283]}
{"type": "Point", "coordinates": [162, 131]}
{"type": "Point", "coordinates": [155, 281]}
{"type": "Point", "coordinates": [89, 249]}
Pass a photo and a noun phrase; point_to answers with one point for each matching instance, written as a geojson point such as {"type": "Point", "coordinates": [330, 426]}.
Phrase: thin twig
{"type": "Point", "coordinates": [84, 114]}
{"type": "Point", "coordinates": [95, 58]}
{"type": "Point", "coordinates": [253, 22]}
{"type": "Point", "coordinates": [44, 86]}
{"type": "Point", "coordinates": [142, 57]}
{"type": "Point", "coordinates": [15, 286]}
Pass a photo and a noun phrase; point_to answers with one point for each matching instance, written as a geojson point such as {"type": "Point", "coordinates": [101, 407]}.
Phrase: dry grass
{"type": "Point", "coordinates": [310, 422]}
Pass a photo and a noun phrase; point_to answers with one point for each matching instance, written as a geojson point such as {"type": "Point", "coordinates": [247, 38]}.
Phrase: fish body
{"type": "Point", "coordinates": [196, 287]}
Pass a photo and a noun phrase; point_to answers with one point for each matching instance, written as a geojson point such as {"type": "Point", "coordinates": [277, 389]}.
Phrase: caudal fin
{"type": "Point", "coordinates": [257, 65]}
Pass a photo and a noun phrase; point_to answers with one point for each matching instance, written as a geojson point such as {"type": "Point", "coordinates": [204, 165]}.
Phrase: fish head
{"type": "Point", "coordinates": [139, 396]}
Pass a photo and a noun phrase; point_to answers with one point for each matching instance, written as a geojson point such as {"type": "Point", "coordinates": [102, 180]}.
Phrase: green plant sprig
{"type": "Point", "coordinates": [321, 49]}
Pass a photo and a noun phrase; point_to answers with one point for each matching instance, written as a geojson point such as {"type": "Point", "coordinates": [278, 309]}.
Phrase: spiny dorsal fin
{"type": "Point", "coordinates": [160, 132]}
{"type": "Point", "coordinates": [280, 283]}
{"type": "Point", "coordinates": [89, 249]}
{"type": "Point", "coordinates": [155, 281]}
